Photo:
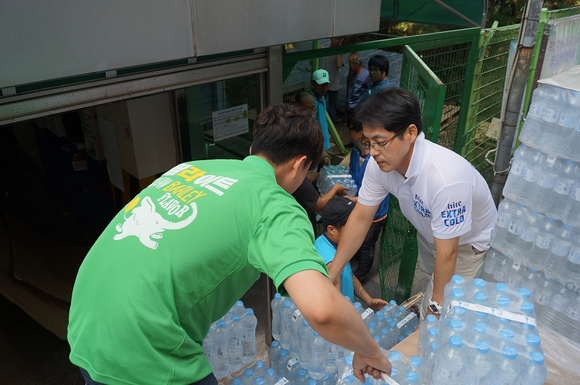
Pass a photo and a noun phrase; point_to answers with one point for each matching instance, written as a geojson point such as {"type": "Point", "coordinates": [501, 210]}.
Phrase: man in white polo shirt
{"type": "Point", "coordinates": [439, 192]}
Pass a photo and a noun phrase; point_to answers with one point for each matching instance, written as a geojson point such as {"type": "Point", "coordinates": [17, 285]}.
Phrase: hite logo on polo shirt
{"type": "Point", "coordinates": [454, 215]}
{"type": "Point", "coordinates": [420, 207]}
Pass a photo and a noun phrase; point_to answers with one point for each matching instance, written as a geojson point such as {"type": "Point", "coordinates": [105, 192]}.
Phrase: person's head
{"type": "Point", "coordinates": [305, 99]}
{"type": "Point", "coordinates": [320, 82]}
{"type": "Point", "coordinates": [378, 68]}
{"type": "Point", "coordinates": [391, 122]}
{"type": "Point", "coordinates": [355, 62]}
{"type": "Point", "coordinates": [355, 133]}
{"type": "Point", "coordinates": [290, 139]}
{"type": "Point", "coordinates": [336, 41]}
{"type": "Point", "coordinates": [334, 216]}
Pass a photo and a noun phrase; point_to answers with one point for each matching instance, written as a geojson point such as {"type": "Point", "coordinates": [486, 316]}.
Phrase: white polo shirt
{"type": "Point", "coordinates": [443, 196]}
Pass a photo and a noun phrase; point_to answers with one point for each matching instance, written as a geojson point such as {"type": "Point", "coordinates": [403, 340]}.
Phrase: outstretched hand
{"type": "Point", "coordinates": [372, 366]}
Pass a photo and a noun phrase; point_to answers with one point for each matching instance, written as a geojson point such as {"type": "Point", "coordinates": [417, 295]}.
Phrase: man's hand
{"type": "Point", "coordinates": [339, 189]}
{"type": "Point", "coordinates": [377, 303]}
{"type": "Point", "coordinates": [372, 366]}
{"type": "Point", "coordinates": [337, 283]}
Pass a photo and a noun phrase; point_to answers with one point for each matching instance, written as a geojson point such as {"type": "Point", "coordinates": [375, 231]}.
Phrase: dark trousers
{"type": "Point", "coordinates": [332, 97]}
{"type": "Point", "coordinates": [209, 380]}
{"type": "Point", "coordinates": [366, 253]}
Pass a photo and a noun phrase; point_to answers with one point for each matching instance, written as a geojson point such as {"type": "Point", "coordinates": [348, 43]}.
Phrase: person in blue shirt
{"type": "Point", "coordinates": [334, 216]}
{"type": "Point", "coordinates": [379, 74]}
{"type": "Point", "coordinates": [320, 83]}
{"type": "Point", "coordinates": [357, 160]}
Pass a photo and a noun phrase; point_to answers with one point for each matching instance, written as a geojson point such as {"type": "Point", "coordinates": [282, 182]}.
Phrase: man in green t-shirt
{"type": "Point", "coordinates": [181, 253]}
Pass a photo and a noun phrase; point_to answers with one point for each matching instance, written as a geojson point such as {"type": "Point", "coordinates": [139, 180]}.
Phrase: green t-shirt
{"type": "Point", "coordinates": [176, 259]}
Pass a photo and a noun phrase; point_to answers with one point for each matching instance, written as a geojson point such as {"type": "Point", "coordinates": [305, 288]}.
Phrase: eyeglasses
{"type": "Point", "coordinates": [379, 146]}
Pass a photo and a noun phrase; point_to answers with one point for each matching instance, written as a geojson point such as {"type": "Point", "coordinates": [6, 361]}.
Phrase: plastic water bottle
{"type": "Point", "coordinates": [332, 359]}
{"type": "Point", "coordinates": [559, 252]}
{"type": "Point", "coordinates": [235, 343]}
{"type": "Point", "coordinates": [507, 368]}
{"type": "Point", "coordinates": [514, 233]}
{"type": "Point", "coordinates": [429, 361]}
{"type": "Point", "coordinates": [532, 134]}
{"type": "Point", "coordinates": [248, 377]}
{"type": "Point", "coordinates": [540, 251]}
{"type": "Point", "coordinates": [271, 377]}
{"type": "Point", "coordinates": [276, 305]}
{"type": "Point", "coordinates": [416, 364]}
{"type": "Point", "coordinates": [534, 372]}
{"type": "Point", "coordinates": [297, 318]}
{"type": "Point", "coordinates": [274, 354]}
{"type": "Point", "coordinates": [568, 121]}
{"type": "Point", "coordinates": [530, 228]}
{"type": "Point", "coordinates": [545, 184]}
{"type": "Point", "coordinates": [249, 323]}
{"type": "Point", "coordinates": [304, 334]}
{"type": "Point", "coordinates": [515, 275]}
{"type": "Point", "coordinates": [572, 263]}
{"type": "Point", "coordinates": [429, 322]}
{"type": "Point", "coordinates": [259, 369]}
{"type": "Point", "coordinates": [450, 365]}
{"type": "Point", "coordinates": [573, 214]}
{"type": "Point", "coordinates": [302, 377]}
{"type": "Point", "coordinates": [550, 119]}
{"type": "Point", "coordinates": [318, 356]}
{"type": "Point", "coordinates": [410, 378]}
{"type": "Point", "coordinates": [397, 365]}
{"type": "Point", "coordinates": [502, 268]}
{"type": "Point", "coordinates": [282, 365]}
{"type": "Point", "coordinates": [220, 352]}
{"type": "Point", "coordinates": [479, 365]}
{"type": "Point", "coordinates": [560, 199]}
{"type": "Point", "coordinates": [286, 323]}
{"type": "Point", "coordinates": [491, 258]}
{"type": "Point", "coordinates": [515, 187]}
{"type": "Point", "coordinates": [543, 294]}
{"type": "Point", "coordinates": [292, 368]}
{"type": "Point", "coordinates": [237, 381]}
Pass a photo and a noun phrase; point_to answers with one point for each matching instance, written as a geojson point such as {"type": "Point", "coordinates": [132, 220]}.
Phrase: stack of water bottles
{"type": "Point", "coordinates": [230, 343]}
{"type": "Point", "coordinates": [330, 175]}
{"type": "Point", "coordinates": [536, 239]}
{"type": "Point", "coordinates": [302, 356]}
{"type": "Point", "coordinates": [486, 334]}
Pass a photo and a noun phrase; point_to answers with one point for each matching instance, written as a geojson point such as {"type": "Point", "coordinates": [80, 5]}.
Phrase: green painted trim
{"type": "Point", "coordinates": [59, 82]}
{"type": "Point", "coordinates": [335, 135]}
{"type": "Point", "coordinates": [151, 67]}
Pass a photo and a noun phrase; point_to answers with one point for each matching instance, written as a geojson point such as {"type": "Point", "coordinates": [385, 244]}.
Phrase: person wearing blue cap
{"type": "Point", "coordinates": [320, 82]}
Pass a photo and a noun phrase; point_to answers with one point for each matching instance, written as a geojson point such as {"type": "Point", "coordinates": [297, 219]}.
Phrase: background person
{"type": "Point", "coordinates": [334, 216]}
{"type": "Point", "coordinates": [181, 253]}
{"type": "Point", "coordinates": [320, 83]}
{"type": "Point", "coordinates": [379, 74]}
{"type": "Point", "coordinates": [333, 64]}
{"type": "Point", "coordinates": [358, 84]}
{"type": "Point", "coordinates": [439, 192]}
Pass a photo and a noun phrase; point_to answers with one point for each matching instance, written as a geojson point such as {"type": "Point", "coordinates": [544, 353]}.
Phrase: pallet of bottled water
{"type": "Point", "coordinates": [230, 343]}
{"type": "Point", "coordinates": [299, 355]}
{"type": "Point", "coordinates": [330, 175]}
{"type": "Point", "coordinates": [486, 334]}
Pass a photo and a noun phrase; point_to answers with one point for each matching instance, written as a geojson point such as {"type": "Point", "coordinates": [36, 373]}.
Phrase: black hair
{"type": "Point", "coordinates": [393, 109]}
{"type": "Point", "coordinates": [381, 62]}
{"type": "Point", "coordinates": [301, 95]}
{"type": "Point", "coordinates": [284, 131]}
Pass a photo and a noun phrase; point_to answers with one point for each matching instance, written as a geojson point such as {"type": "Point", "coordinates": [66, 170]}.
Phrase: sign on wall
{"type": "Point", "coordinates": [230, 122]}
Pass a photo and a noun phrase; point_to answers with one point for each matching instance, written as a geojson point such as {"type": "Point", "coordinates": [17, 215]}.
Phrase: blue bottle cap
{"type": "Point", "coordinates": [510, 352]}
{"type": "Point", "coordinates": [455, 342]}
{"type": "Point", "coordinates": [455, 323]}
{"type": "Point", "coordinates": [431, 319]}
{"type": "Point", "coordinates": [284, 352]}
{"type": "Point", "coordinates": [377, 338]}
{"type": "Point", "coordinates": [503, 301]}
{"type": "Point", "coordinates": [457, 293]}
{"type": "Point", "coordinates": [249, 372]}
{"type": "Point", "coordinates": [507, 334]}
{"type": "Point", "coordinates": [416, 361]}
{"type": "Point", "coordinates": [524, 292]}
{"type": "Point", "coordinates": [482, 347]}
{"type": "Point", "coordinates": [479, 283]}
{"type": "Point", "coordinates": [457, 280]}
{"type": "Point", "coordinates": [348, 360]}
{"type": "Point", "coordinates": [412, 377]}
{"type": "Point", "coordinates": [480, 296]}
{"type": "Point", "coordinates": [275, 343]}
{"type": "Point", "coordinates": [480, 327]}
{"type": "Point", "coordinates": [394, 356]}
{"type": "Point", "coordinates": [221, 323]}
{"type": "Point", "coordinates": [537, 358]}
{"type": "Point", "coordinates": [433, 346]}
{"type": "Point", "coordinates": [533, 340]}
{"type": "Point", "coordinates": [433, 331]}
{"type": "Point", "coordinates": [501, 287]}
{"type": "Point", "coordinates": [527, 307]}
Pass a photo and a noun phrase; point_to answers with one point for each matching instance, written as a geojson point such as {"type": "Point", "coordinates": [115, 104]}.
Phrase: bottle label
{"type": "Point", "coordinates": [562, 186]}
{"type": "Point", "coordinates": [544, 242]}
{"type": "Point", "coordinates": [493, 311]}
{"type": "Point", "coordinates": [536, 110]}
{"type": "Point", "coordinates": [404, 321]}
{"type": "Point", "coordinates": [541, 299]}
{"type": "Point", "coordinates": [282, 381]}
{"type": "Point", "coordinates": [518, 169]}
{"type": "Point", "coordinates": [515, 228]}
{"type": "Point", "coordinates": [531, 175]}
{"type": "Point", "coordinates": [449, 376]}
{"type": "Point", "coordinates": [567, 120]}
{"type": "Point", "coordinates": [574, 255]}
{"type": "Point", "coordinates": [573, 313]}
{"type": "Point", "coordinates": [366, 313]}
{"type": "Point", "coordinates": [291, 363]}
{"type": "Point", "coordinates": [502, 221]}
{"type": "Point", "coordinates": [528, 236]}
{"type": "Point", "coordinates": [471, 379]}
{"type": "Point", "coordinates": [560, 248]}
{"type": "Point", "coordinates": [296, 315]}
{"type": "Point", "coordinates": [550, 114]}
{"type": "Point", "coordinates": [547, 181]}
{"type": "Point", "coordinates": [575, 193]}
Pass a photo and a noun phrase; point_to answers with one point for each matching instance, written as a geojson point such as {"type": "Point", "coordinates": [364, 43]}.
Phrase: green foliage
{"type": "Point", "coordinates": [508, 12]}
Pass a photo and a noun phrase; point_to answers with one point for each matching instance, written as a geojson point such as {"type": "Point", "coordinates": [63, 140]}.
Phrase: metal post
{"type": "Point", "coordinates": [516, 86]}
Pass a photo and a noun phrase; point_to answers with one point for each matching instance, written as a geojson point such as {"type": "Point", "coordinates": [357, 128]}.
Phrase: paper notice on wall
{"type": "Point", "coordinates": [230, 122]}
{"type": "Point", "coordinates": [111, 151]}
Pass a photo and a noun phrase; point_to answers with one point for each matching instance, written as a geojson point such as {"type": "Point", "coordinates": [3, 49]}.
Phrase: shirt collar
{"type": "Point", "coordinates": [417, 158]}
{"type": "Point", "coordinates": [261, 165]}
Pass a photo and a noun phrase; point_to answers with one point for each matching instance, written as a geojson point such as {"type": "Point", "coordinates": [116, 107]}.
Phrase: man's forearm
{"type": "Point", "coordinates": [445, 261]}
